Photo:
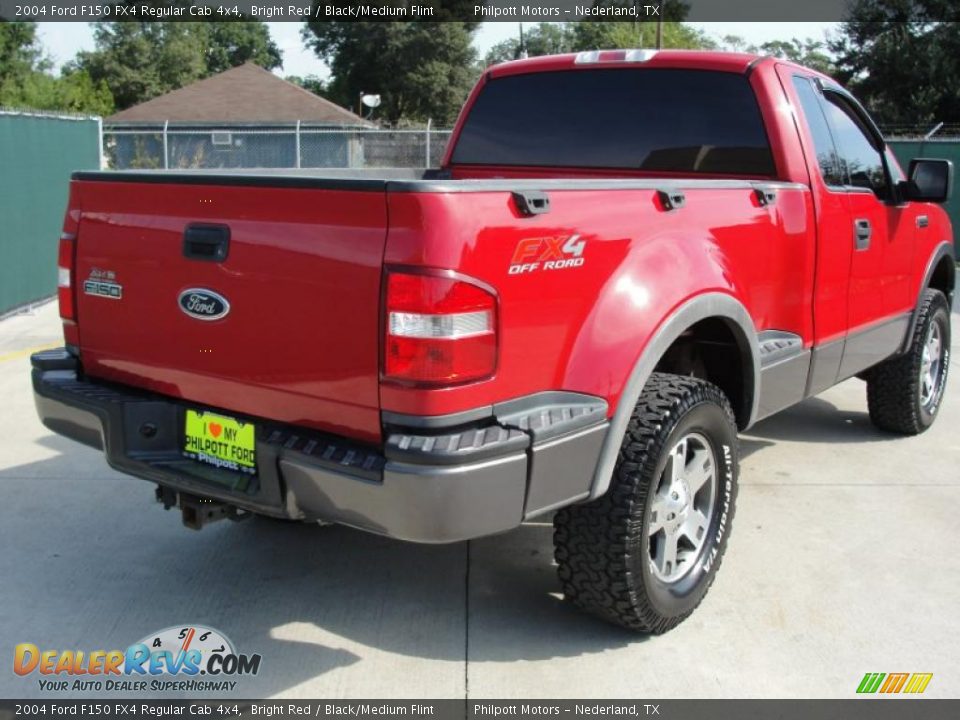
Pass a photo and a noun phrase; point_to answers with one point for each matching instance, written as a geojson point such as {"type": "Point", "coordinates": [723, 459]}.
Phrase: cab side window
{"type": "Point", "coordinates": [827, 157]}
{"type": "Point", "coordinates": [860, 161]}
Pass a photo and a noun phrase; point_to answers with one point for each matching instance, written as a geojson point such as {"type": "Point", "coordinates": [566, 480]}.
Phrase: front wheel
{"type": "Point", "coordinates": [644, 555]}
{"type": "Point", "coordinates": [904, 393]}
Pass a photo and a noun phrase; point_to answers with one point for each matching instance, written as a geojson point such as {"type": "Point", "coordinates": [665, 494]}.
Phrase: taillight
{"type": "Point", "coordinates": [66, 293]}
{"type": "Point", "coordinates": [439, 330]}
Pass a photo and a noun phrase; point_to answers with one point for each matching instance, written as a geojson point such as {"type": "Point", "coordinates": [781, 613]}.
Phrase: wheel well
{"type": "Point", "coordinates": [944, 277]}
{"type": "Point", "coordinates": [712, 350]}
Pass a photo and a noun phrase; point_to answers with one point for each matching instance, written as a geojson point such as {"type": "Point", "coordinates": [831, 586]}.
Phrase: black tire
{"type": "Point", "coordinates": [895, 392]}
{"type": "Point", "coordinates": [602, 548]}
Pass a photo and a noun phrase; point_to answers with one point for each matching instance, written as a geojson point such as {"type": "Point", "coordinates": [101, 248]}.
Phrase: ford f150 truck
{"type": "Point", "coordinates": [625, 258]}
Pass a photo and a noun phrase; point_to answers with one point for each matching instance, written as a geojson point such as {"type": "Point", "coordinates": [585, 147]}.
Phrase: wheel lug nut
{"type": "Point", "coordinates": [675, 496]}
{"type": "Point", "coordinates": [671, 516]}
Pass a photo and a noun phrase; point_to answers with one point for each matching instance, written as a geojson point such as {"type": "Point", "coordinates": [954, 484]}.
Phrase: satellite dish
{"type": "Point", "coordinates": [371, 101]}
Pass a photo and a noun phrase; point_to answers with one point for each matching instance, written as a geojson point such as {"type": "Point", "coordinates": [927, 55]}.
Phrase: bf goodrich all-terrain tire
{"type": "Point", "coordinates": [644, 554]}
{"type": "Point", "coordinates": [904, 393]}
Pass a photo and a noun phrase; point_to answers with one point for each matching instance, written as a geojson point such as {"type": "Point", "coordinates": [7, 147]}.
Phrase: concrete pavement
{"type": "Point", "coordinates": [842, 561]}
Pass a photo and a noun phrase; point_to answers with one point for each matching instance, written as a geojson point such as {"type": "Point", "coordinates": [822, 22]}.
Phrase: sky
{"type": "Point", "coordinates": [63, 40]}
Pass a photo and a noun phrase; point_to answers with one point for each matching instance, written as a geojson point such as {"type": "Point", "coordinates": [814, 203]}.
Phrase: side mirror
{"type": "Point", "coordinates": [929, 181]}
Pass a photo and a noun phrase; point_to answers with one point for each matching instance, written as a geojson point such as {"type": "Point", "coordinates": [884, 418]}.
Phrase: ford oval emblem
{"type": "Point", "coordinates": [203, 304]}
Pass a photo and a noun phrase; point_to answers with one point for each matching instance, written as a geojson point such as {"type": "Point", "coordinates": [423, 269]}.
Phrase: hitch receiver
{"type": "Point", "coordinates": [198, 511]}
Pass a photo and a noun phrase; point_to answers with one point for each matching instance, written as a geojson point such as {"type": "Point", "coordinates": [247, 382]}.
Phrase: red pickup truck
{"type": "Point", "coordinates": [626, 257]}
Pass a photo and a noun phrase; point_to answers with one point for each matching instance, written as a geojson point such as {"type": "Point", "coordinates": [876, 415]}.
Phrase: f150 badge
{"type": "Point", "coordinates": [103, 283]}
{"type": "Point", "coordinates": [547, 253]}
{"type": "Point", "coordinates": [203, 304]}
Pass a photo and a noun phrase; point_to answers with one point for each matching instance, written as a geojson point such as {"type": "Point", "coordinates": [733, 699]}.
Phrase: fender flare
{"type": "Point", "coordinates": [944, 249]}
{"type": "Point", "coordinates": [701, 307]}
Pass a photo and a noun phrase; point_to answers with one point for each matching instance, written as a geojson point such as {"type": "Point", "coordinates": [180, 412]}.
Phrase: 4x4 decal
{"type": "Point", "coordinates": [547, 253]}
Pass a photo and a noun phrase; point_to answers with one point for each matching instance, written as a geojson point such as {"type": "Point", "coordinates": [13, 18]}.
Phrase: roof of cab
{"type": "Point", "coordinates": [687, 59]}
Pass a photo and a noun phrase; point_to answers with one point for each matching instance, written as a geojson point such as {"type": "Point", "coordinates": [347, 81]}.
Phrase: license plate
{"type": "Point", "coordinates": [221, 441]}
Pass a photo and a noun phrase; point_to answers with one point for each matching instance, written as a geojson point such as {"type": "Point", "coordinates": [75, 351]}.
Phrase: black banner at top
{"type": "Point", "coordinates": [471, 10]}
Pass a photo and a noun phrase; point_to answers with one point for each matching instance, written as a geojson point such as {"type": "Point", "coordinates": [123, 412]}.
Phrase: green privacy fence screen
{"type": "Point", "coordinates": [37, 154]}
{"type": "Point", "coordinates": [905, 150]}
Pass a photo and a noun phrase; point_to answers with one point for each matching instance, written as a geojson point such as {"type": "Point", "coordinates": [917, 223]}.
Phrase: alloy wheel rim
{"type": "Point", "coordinates": [682, 506]}
{"type": "Point", "coordinates": [930, 365]}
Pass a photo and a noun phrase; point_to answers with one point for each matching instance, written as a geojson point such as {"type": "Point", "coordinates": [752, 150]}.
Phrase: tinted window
{"type": "Point", "coordinates": [862, 163]}
{"type": "Point", "coordinates": [896, 174]}
{"type": "Point", "coordinates": [688, 121]}
{"type": "Point", "coordinates": [823, 145]}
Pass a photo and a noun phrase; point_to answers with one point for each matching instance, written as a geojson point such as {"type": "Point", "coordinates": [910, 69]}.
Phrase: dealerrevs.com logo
{"type": "Point", "coordinates": [182, 658]}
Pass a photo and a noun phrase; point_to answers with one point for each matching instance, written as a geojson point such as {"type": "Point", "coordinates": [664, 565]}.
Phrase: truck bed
{"type": "Point", "coordinates": [309, 250]}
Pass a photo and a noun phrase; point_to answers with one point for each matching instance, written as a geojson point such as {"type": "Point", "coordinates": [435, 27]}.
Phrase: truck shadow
{"type": "Point", "coordinates": [98, 565]}
{"type": "Point", "coordinates": [814, 420]}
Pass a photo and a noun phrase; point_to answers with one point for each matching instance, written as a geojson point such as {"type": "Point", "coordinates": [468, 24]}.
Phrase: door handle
{"type": "Point", "coordinates": [862, 231]}
{"type": "Point", "coordinates": [206, 242]}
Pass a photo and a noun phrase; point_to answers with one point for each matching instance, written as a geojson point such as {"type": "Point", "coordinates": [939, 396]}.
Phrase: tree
{"type": "Point", "coordinates": [74, 91]}
{"type": "Point", "coordinates": [238, 42]}
{"type": "Point", "coordinates": [902, 59]}
{"type": "Point", "coordinates": [590, 35]}
{"type": "Point", "coordinates": [810, 53]}
{"type": "Point", "coordinates": [310, 83]}
{"type": "Point", "coordinates": [554, 38]}
{"type": "Point", "coordinates": [20, 50]}
{"type": "Point", "coordinates": [141, 60]}
{"type": "Point", "coordinates": [542, 39]}
{"type": "Point", "coordinates": [421, 70]}
{"type": "Point", "coordinates": [26, 82]}
{"type": "Point", "coordinates": [20, 57]}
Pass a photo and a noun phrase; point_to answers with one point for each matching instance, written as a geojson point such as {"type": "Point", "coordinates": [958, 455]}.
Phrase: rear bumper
{"type": "Point", "coordinates": [429, 482]}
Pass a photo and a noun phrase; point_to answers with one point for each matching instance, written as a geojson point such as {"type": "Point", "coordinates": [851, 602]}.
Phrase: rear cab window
{"type": "Point", "coordinates": [690, 122]}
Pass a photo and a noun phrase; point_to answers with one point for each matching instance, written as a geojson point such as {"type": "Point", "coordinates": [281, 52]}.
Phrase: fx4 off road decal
{"type": "Point", "coordinates": [547, 253]}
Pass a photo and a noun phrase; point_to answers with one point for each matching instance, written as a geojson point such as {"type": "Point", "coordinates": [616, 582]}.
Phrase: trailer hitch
{"type": "Point", "coordinates": [195, 511]}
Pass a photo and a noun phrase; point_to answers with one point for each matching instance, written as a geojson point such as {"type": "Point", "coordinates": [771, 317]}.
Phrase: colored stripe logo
{"type": "Point", "coordinates": [890, 683]}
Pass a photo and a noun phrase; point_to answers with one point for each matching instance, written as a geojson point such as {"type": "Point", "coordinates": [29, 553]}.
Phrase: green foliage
{"type": "Point", "coordinates": [810, 53]}
{"type": "Point", "coordinates": [590, 35]}
{"type": "Point", "coordinates": [238, 42]}
{"type": "Point", "coordinates": [542, 39]}
{"type": "Point", "coordinates": [901, 60]}
{"type": "Point", "coordinates": [311, 83]}
{"type": "Point", "coordinates": [71, 92]}
{"type": "Point", "coordinates": [25, 80]}
{"type": "Point", "coordinates": [141, 60]}
{"type": "Point", "coordinates": [421, 70]}
{"type": "Point", "coordinates": [554, 38]}
{"type": "Point", "coordinates": [20, 51]}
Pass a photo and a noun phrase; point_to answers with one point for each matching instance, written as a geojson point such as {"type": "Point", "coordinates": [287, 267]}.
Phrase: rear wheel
{"type": "Point", "coordinates": [644, 555]}
{"type": "Point", "coordinates": [904, 393]}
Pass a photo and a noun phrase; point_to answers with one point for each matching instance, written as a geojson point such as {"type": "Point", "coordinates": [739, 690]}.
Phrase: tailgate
{"type": "Point", "coordinates": [285, 327]}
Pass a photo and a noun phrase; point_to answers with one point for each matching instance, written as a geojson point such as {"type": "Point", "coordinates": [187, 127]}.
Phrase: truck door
{"type": "Point", "coordinates": [834, 250]}
{"type": "Point", "coordinates": [864, 241]}
{"type": "Point", "coordinates": [881, 234]}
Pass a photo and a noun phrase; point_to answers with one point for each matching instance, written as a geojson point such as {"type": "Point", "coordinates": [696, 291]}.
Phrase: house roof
{"type": "Point", "coordinates": [244, 94]}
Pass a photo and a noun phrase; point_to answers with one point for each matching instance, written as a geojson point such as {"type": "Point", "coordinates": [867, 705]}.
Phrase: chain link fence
{"type": "Point", "coordinates": [933, 132]}
{"type": "Point", "coordinates": [272, 147]}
